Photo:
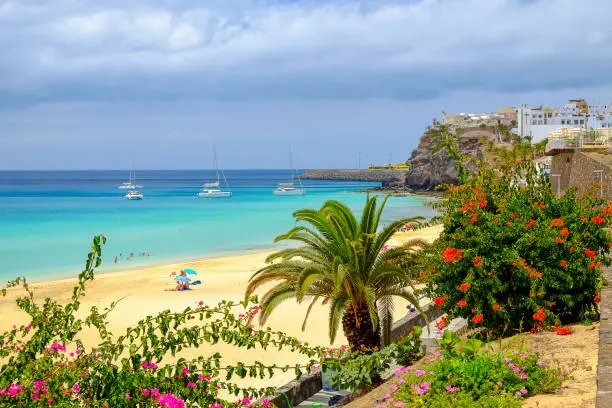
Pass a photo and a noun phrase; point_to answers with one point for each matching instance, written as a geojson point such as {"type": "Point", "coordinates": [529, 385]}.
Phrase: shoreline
{"type": "Point", "coordinates": [148, 291]}
{"type": "Point", "coordinates": [222, 257]}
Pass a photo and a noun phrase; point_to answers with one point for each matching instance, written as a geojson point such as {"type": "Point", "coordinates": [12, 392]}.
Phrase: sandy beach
{"type": "Point", "coordinates": [144, 292]}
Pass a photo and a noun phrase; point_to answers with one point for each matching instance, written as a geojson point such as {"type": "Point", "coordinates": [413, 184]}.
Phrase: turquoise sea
{"type": "Point", "coordinates": [47, 219]}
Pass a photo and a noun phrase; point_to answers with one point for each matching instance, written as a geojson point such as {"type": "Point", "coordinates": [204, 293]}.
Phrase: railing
{"type": "Point", "coordinates": [597, 139]}
{"type": "Point", "coordinates": [401, 166]}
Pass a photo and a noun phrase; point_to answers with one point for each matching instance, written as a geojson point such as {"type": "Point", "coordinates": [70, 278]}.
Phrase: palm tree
{"type": "Point", "coordinates": [344, 263]}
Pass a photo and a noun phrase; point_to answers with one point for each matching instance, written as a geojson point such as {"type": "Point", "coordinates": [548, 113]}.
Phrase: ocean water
{"type": "Point", "coordinates": [47, 219]}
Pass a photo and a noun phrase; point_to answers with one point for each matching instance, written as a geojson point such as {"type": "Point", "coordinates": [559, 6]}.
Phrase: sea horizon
{"type": "Point", "coordinates": [48, 218]}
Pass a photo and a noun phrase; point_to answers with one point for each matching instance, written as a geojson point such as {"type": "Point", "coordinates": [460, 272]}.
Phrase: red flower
{"type": "Point", "coordinates": [496, 307]}
{"type": "Point", "coordinates": [421, 273]}
{"type": "Point", "coordinates": [478, 318]}
{"type": "Point", "coordinates": [482, 204]}
{"type": "Point", "coordinates": [539, 315]}
{"type": "Point", "coordinates": [508, 223]}
{"type": "Point", "coordinates": [478, 263]}
{"type": "Point", "coordinates": [513, 215]}
{"type": "Point", "coordinates": [597, 298]}
{"type": "Point", "coordinates": [474, 219]}
{"type": "Point", "coordinates": [464, 286]}
{"type": "Point", "coordinates": [572, 249]}
{"type": "Point", "coordinates": [442, 323]}
{"type": "Point", "coordinates": [565, 232]}
{"type": "Point", "coordinates": [557, 222]}
{"type": "Point", "coordinates": [462, 303]}
{"type": "Point", "coordinates": [589, 253]}
{"type": "Point", "coordinates": [583, 218]}
{"type": "Point", "coordinates": [530, 223]}
{"type": "Point", "coordinates": [562, 331]}
{"type": "Point", "coordinates": [598, 220]}
{"type": "Point", "coordinates": [451, 255]}
{"type": "Point", "coordinates": [563, 263]}
{"type": "Point", "coordinates": [439, 301]}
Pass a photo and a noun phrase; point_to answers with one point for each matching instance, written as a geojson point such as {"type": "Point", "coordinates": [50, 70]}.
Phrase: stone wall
{"type": "Point", "coordinates": [388, 177]}
{"type": "Point", "coordinates": [579, 170]}
{"type": "Point", "coordinates": [300, 390]}
{"type": "Point", "coordinates": [604, 364]}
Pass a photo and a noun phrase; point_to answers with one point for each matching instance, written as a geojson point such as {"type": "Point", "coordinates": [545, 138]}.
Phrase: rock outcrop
{"type": "Point", "coordinates": [429, 169]}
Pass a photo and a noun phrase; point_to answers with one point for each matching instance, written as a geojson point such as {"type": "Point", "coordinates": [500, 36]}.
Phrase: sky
{"type": "Point", "coordinates": [107, 84]}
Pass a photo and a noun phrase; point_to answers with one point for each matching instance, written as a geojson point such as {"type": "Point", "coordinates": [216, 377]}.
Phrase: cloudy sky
{"type": "Point", "coordinates": [95, 84]}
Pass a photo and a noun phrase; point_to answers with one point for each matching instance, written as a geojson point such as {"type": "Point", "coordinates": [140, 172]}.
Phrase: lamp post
{"type": "Point", "coordinates": [600, 181]}
{"type": "Point", "coordinates": [558, 183]}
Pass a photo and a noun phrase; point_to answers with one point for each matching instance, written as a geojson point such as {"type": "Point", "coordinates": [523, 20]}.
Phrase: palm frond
{"type": "Point", "coordinates": [386, 307]}
{"type": "Point", "coordinates": [273, 298]}
{"type": "Point", "coordinates": [336, 310]}
{"type": "Point", "coordinates": [314, 300]}
{"type": "Point", "coordinates": [310, 274]}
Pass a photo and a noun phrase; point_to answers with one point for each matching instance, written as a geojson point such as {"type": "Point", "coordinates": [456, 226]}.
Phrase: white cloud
{"type": "Point", "coordinates": [344, 49]}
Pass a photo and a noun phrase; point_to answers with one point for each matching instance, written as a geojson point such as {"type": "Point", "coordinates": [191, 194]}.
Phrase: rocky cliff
{"type": "Point", "coordinates": [429, 169]}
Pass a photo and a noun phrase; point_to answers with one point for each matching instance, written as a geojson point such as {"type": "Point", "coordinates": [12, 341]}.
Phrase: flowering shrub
{"type": "Point", "coordinates": [465, 376]}
{"type": "Point", "coordinates": [44, 363]}
{"type": "Point", "coordinates": [514, 256]}
{"type": "Point", "coordinates": [356, 371]}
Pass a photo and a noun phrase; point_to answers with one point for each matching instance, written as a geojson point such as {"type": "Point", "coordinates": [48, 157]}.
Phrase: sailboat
{"type": "Point", "coordinates": [212, 190]}
{"type": "Point", "coordinates": [134, 194]}
{"type": "Point", "coordinates": [129, 184]}
{"type": "Point", "coordinates": [289, 189]}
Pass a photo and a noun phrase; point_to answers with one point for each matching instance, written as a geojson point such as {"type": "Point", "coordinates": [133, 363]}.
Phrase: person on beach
{"type": "Point", "coordinates": [116, 260]}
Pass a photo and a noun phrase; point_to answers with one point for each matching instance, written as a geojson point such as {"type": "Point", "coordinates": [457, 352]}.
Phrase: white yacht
{"type": "Point", "coordinates": [289, 189]}
{"type": "Point", "coordinates": [212, 190]}
{"type": "Point", "coordinates": [134, 194]}
{"type": "Point", "coordinates": [129, 185]}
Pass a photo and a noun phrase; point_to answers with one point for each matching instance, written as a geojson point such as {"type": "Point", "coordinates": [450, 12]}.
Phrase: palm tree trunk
{"type": "Point", "coordinates": [358, 329]}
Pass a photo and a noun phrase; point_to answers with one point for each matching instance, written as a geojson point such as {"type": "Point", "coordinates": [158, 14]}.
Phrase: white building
{"type": "Point", "coordinates": [539, 122]}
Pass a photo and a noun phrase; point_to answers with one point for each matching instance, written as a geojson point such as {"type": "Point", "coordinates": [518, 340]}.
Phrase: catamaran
{"type": "Point", "coordinates": [212, 190]}
{"type": "Point", "coordinates": [134, 194]}
{"type": "Point", "coordinates": [129, 185]}
{"type": "Point", "coordinates": [289, 189]}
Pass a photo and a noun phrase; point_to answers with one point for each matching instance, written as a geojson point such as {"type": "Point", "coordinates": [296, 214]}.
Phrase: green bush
{"type": "Point", "coordinates": [363, 371]}
{"type": "Point", "coordinates": [513, 256]}
{"type": "Point", "coordinates": [465, 375]}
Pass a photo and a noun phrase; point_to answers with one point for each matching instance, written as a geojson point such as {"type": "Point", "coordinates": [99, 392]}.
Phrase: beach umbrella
{"type": "Point", "coordinates": [182, 279]}
{"type": "Point", "coordinates": [190, 271]}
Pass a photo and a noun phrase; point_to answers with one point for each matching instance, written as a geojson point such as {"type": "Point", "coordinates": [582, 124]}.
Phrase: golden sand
{"type": "Point", "coordinates": [147, 291]}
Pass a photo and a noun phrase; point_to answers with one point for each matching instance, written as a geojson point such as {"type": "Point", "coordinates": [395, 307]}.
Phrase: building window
{"type": "Point", "coordinates": [563, 121]}
{"type": "Point", "coordinates": [603, 125]}
{"type": "Point", "coordinates": [582, 121]}
{"type": "Point", "coordinates": [550, 114]}
{"type": "Point", "coordinates": [575, 121]}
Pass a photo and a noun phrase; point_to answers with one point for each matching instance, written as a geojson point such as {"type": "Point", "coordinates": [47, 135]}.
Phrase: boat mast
{"type": "Point", "coordinates": [291, 163]}
{"type": "Point", "coordinates": [215, 163]}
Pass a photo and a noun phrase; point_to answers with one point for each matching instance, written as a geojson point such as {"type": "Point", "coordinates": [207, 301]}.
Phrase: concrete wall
{"type": "Point", "coordinates": [580, 170]}
{"type": "Point", "coordinates": [308, 385]}
{"type": "Point", "coordinates": [387, 177]}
